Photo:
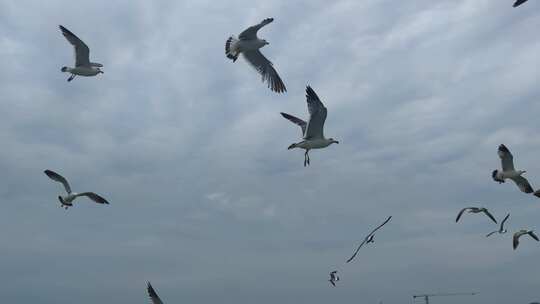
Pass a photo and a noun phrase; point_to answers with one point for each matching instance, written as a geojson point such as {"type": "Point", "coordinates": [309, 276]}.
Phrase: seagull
{"type": "Point", "coordinates": [249, 44]}
{"type": "Point", "coordinates": [152, 294]}
{"type": "Point", "coordinates": [519, 2]}
{"type": "Point", "coordinates": [83, 66]}
{"type": "Point", "coordinates": [368, 238]}
{"type": "Point", "coordinates": [333, 278]}
{"type": "Point", "coordinates": [312, 130]}
{"type": "Point", "coordinates": [67, 201]}
{"type": "Point", "coordinates": [475, 210]}
{"type": "Point", "coordinates": [508, 171]}
{"type": "Point", "coordinates": [501, 229]}
{"type": "Point", "coordinates": [518, 234]}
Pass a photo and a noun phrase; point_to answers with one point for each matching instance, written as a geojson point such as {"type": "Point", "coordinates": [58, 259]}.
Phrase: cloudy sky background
{"type": "Point", "coordinates": [190, 149]}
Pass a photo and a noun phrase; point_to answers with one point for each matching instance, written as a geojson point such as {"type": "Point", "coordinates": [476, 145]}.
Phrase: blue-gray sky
{"type": "Point", "coordinates": [190, 149]}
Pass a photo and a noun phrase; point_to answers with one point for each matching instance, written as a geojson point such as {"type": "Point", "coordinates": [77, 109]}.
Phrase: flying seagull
{"type": "Point", "coordinates": [333, 278]}
{"type": "Point", "coordinates": [152, 294]}
{"type": "Point", "coordinates": [518, 234]}
{"type": "Point", "coordinates": [508, 171]}
{"type": "Point", "coordinates": [312, 130]}
{"type": "Point", "coordinates": [368, 238]}
{"type": "Point", "coordinates": [501, 228]}
{"type": "Point", "coordinates": [519, 2]}
{"type": "Point", "coordinates": [475, 210]}
{"type": "Point", "coordinates": [67, 201]}
{"type": "Point", "coordinates": [249, 44]}
{"type": "Point", "coordinates": [83, 66]}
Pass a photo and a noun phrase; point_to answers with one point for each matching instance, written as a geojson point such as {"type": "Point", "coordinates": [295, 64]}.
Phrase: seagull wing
{"type": "Point", "coordinates": [504, 221]}
{"type": "Point", "coordinates": [296, 120]}
{"type": "Point", "coordinates": [519, 2]}
{"type": "Point", "coordinates": [490, 216]}
{"type": "Point", "coordinates": [365, 239]}
{"type": "Point", "coordinates": [152, 294]}
{"type": "Point", "coordinates": [332, 282]}
{"type": "Point", "coordinates": [251, 32]}
{"type": "Point", "coordinates": [317, 115]}
{"type": "Point", "coordinates": [523, 184]}
{"type": "Point", "coordinates": [82, 52]}
{"type": "Point", "coordinates": [534, 236]}
{"type": "Point", "coordinates": [59, 178]}
{"type": "Point", "coordinates": [491, 233]}
{"type": "Point", "coordinates": [96, 198]}
{"type": "Point", "coordinates": [257, 60]}
{"type": "Point", "coordinates": [507, 159]}
{"type": "Point", "coordinates": [516, 239]}
{"type": "Point", "coordinates": [537, 193]}
{"type": "Point", "coordinates": [461, 213]}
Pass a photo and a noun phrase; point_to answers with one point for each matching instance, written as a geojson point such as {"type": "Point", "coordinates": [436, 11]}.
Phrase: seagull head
{"type": "Point", "coordinates": [495, 178]}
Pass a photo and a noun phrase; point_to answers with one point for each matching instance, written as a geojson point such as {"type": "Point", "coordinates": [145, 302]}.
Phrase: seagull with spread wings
{"type": "Point", "coordinates": [509, 172]}
{"type": "Point", "coordinates": [333, 278]}
{"type": "Point", "coordinates": [501, 228]}
{"type": "Point", "coordinates": [67, 201]}
{"type": "Point", "coordinates": [312, 130]}
{"type": "Point", "coordinates": [152, 294]}
{"type": "Point", "coordinates": [475, 210]}
{"type": "Point", "coordinates": [368, 238]}
{"type": "Point", "coordinates": [248, 44]}
{"type": "Point", "coordinates": [83, 66]}
{"type": "Point", "coordinates": [521, 233]}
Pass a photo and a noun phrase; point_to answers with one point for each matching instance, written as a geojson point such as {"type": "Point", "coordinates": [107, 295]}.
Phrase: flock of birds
{"type": "Point", "coordinates": [248, 44]}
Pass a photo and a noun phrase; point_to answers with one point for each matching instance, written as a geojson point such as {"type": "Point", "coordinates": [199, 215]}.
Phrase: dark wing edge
{"type": "Point", "coordinates": [152, 294]}
{"type": "Point", "coordinates": [365, 239]}
{"type": "Point", "coordinates": [296, 121]}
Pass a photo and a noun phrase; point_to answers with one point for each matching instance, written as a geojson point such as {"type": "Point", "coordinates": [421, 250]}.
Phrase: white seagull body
{"type": "Point", "coordinates": [501, 228]}
{"type": "Point", "coordinates": [152, 294]}
{"type": "Point", "coordinates": [509, 172]}
{"type": "Point", "coordinates": [312, 130]}
{"type": "Point", "coordinates": [522, 232]}
{"type": "Point", "coordinates": [476, 210]}
{"type": "Point", "coordinates": [67, 201]}
{"type": "Point", "coordinates": [248, 44]}
{"type": "Point", "coordinates": [83, 66]}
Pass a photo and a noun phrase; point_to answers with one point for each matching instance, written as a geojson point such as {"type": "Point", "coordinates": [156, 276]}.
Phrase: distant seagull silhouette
{"type": "Point", "coordinates": [312, 130]}
{"type": "Point", "coordinates": [519, 2]}
{"type": "Point", "coordinates": [83, 66]}
{"type": "Point", "coordinates": [249, 44]}
{"type": "Point", "coordinates": [368, 238]}
{"type": "Point", "coordinates": [333, 278]}
{"type": "Point", "coordinates": [509, 172]}
{"type": "Point", "coordinates": [152, 294]}
{"type": "Point", "coordinates": [475, 210]}
{"type": "Point", "coordinates": [501, 228]}
{"type": "Point", "coordinates": [522, 232]}
{"type": "Point", "coordinates": [67, 201]}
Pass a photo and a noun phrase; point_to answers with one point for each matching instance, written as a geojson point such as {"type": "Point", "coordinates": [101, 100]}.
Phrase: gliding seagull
{"type": "Point", "coordinates": [501, 228]}
{"type": "Point", "coordinates": [475, 210]}
{"type": "Point", "coordinates": [249, 44]}
{"type": "Point", "coordinates": [333, 278]}
{"type": "Point", "coordinates": [508, 171]}
{"type": "Point", "coordinates": [312, 131]}
{"type": "Point", "coordinates": [522, 232]}
{"type": "Point", "coordinates": [67, 201]}
{"type": "Point", "coordinates": [83, 66]}
{"type": "Point", "coordinates": [368, 238]}
{"type": "Point", "coordinates": [152, 294]}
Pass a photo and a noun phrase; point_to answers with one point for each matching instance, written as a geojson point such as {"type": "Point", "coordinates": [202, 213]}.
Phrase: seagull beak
{"type": "Point", "coordinates": [337, 142]}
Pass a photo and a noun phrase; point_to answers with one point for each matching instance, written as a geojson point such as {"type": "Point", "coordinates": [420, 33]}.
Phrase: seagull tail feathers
{"type": "Point", "coordinates": [229, 48]}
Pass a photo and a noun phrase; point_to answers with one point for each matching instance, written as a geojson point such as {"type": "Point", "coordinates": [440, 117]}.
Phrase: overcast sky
{"type": "Point", "coordinates": [207, 202]}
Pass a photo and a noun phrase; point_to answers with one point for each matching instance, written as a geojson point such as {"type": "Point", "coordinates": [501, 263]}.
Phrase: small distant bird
{"type": "Point", "coordinates": [67, 201]}
{"type": "Point", "coordinates": [312, 130]}
{"type": "Point", "coordinates": [475, 210]}
{"type": "Point", "coordinates": [333, 278]}
{"type": "Point", "coordinates": [501, 228]}
{"type": "Point", "coordinates": [519, 2]}
{"type": "Point", "coordinates": [152, 294]}
{"type": "Point", "coordinates": [83, 66]}
{"type": "Point", "coordinates": [368, 238]}
{"type": "Point", "coordinates": [522, 232]}
{"type": "Point", "coordinates": [249, 44]}
{"type": "Point", "coordinates": [509, 172]}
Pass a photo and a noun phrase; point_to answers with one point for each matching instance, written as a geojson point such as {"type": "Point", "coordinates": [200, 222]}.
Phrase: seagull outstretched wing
{"type": "Point", "coordinates": [257, 60]}
{"type": "Point", "coordinates": [58, 178]}
{"type": "Point", "coordinates": [152, 294]}
{"type": "Point", "coordinates": [302, 124]}
{"type": "Point", "coordinates": [96, 198]}
{"type": "Point", "coordinates": [82, 52]}
{"type": "Point", "coordinates": [507, 159]}
{"type": "Point", "coordinates": [251, 32]}
{"type": "Point", "coordinates": [317, 115]}
{"type": "Point", "coordinates": [365, 239]}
